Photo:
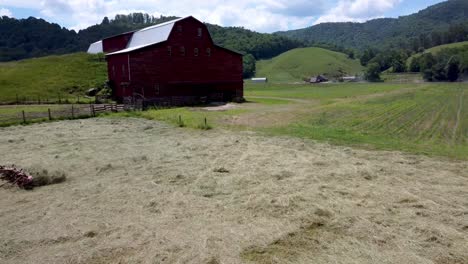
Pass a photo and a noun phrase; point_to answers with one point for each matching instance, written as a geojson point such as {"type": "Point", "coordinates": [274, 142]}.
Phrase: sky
{"type": "Point", "coordinates": [259, 15]}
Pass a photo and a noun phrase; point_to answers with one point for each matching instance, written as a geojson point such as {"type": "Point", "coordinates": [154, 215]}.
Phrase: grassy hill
{"type": "Point", "coordinates": [437, 49]}
{"type": "Point", "coordinates": [305, 62]}
{"type": "Point", "coordinates": [65, 75]}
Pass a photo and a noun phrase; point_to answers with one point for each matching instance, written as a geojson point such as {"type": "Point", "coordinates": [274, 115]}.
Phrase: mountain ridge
{"type": "Point", "coordinates": [385, 32]}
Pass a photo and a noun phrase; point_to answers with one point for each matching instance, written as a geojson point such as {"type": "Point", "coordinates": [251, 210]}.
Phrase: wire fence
{"type": "Point", "coordinates": [22, 114]}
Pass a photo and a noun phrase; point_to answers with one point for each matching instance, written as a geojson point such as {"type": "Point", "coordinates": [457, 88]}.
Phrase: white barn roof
{"type": "Point", "coordinates": [95, 48]}
{"type": "Point", "coordinates": [149, 36]}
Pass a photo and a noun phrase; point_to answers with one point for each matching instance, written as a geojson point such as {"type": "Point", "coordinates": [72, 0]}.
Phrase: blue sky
{"type": "Point", "coordinates": [259, 15]}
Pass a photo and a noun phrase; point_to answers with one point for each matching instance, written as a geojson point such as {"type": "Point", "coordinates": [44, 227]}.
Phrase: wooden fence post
{"type": "Point", "coordinates": [24, 118]}
{"type": "Point", "coordinates": [50, 115]}
{"type": "Point", "coordinates": [93, 112]}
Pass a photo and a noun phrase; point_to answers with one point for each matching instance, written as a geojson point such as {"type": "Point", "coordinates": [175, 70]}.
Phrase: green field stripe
{"type": "Point", "coordinates": [390, 115]}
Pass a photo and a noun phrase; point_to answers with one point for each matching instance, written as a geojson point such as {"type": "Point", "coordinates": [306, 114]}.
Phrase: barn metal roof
{"type": "Point", "coordinates": [149, 36]}
{"type": "Point", "coordinates": [96, 48]}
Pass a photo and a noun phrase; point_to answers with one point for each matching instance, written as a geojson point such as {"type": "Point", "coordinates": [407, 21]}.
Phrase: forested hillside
{"type": "Point", "coordinates": [407, 32]}
{"type": "Point", "coordinates": [26, 38]}
{"type": "Point", "coordinates": [32, 37]}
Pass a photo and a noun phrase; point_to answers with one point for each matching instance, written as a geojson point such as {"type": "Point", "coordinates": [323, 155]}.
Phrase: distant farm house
{"type": "Point", "coordinates": [318, 79]}
{"type": "Point", "coordinates": [172, 63]}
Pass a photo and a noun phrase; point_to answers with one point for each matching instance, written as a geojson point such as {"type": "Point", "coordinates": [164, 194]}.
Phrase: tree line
{"type": "Point", "coordinates": [447, 65]}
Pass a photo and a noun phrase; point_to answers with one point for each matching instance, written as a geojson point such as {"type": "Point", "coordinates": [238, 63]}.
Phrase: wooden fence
{"type": "Point", "coordinates": [16, 114]}
{"type": "Point", "coordinates": [57, 99]}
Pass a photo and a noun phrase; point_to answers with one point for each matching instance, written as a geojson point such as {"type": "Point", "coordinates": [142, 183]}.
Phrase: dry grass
{"type": "Point", "coordinates": [42, 177]}
{"type": "Point", "coordinates": [138, 191]}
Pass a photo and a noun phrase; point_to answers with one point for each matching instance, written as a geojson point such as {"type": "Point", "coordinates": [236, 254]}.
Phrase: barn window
{"type": "Point", "coordinates": [208, 52]}
{"type": "Point", "coordinates": [156, 89]}
{"type": "Point", "coordinates": [113, 70]}
{"type": "Point", "coordinates": [169, 50]}
{"type": "Point", "coordinates": [123, 70]}
{"type": "Point", "coordinates": [182, 51]}
{"type": "Point", "coordinates": [199, 32]}
{"type": "Point", "coordinates": [179, 28]}
{"type": "Point", "coordinates": [195, 52]}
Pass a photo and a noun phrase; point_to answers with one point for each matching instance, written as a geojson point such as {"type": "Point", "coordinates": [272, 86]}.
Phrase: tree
{"type": "Point", "coordinates": [426, 61]}
{"type": "Point", "coordinates": [428, 76]}
{"type": "Point", "coordinates": [399, 66]}
{"type": "Point", "coordinates": [453, 70]}
{"type": "Point", "coordinates": [439, 73]}
{"type": "Point", "coordinates": [105, 21]}
{"type": "Point", "coordinates": [248, 66]}
{"type": "Point", "coordinates": [414, 65]}
{"type": "Point", "coordinates": [373, 72]}
{"type": "Point", "coordinates": [399, 61]}
{"type": "Point", "coordinates": [368, 55]}
{"type": "Point", "coordinates": [384, 60]}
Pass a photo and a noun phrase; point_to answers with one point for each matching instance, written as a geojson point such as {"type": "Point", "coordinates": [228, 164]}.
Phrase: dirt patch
{"type": "Point", "coordinates": [174, 195]}
{"type": "Point", "coordinates": [220, 107]}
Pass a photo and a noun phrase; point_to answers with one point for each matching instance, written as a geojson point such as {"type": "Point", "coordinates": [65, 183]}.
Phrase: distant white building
{"type": "Point", "coordinates": [349, 78]}
{"type": "Point", "coordinates": [260, 80]}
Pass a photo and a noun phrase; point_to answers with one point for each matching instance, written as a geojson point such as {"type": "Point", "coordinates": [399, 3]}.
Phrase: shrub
{"type": "Point", "coordinates": [428, 76]}
{"type": "Point", "coordinates": [453, 70]}
{"type": "Point", "coordinates": [373, 72]}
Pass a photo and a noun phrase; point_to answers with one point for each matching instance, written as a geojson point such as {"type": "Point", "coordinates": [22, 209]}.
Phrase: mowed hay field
{"type": "Point", "coordinates": [342, 173]}
{"type": "Point", "coordinates": [140, 191]}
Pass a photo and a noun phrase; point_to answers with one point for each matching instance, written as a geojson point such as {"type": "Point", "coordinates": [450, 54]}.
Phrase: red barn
{"type": "Point", "coordinates": [171, 63]}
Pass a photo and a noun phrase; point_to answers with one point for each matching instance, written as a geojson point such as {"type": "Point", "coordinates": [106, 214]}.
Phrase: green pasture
{"type": "Point", "coordinates": [296, 64]}
{"type": "Point", "coordinates": [424, 118]}
{"type": "Point", "coordinates": [50, 78]}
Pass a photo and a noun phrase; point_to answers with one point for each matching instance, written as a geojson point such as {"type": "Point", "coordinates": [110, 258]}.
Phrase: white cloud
{"type": "Point", "coordinates": [21, 3]}
{"type": "Point", "coordinates": [5, 12]}
{"type": "Point", "coordinates": [357, 10]}
{"type": "Point", "coordinates": [260, 15]}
